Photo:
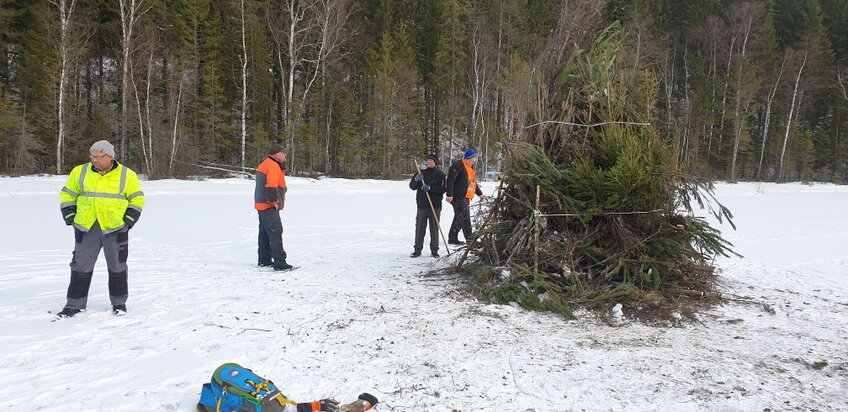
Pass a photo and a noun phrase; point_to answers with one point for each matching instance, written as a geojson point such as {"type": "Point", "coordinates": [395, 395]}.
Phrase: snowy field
{"type": "Point", "coordinates": [359, 316]}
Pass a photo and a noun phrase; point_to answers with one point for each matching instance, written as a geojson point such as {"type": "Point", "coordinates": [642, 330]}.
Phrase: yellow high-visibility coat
{"type": "Point", "coordinates": [114, 199]}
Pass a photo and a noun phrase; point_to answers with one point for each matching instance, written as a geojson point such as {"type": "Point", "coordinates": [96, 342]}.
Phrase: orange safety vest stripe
{"type": "Point", "coordinates": [472, 181]}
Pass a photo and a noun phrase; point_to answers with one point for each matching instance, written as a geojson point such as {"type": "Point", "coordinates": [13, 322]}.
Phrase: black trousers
{"type": "Point", "coordinates": [422, 217]}
{"type": "Point", "coordinates": [271, 250]}
{"type": "Point", "coordinates": [461, 219]}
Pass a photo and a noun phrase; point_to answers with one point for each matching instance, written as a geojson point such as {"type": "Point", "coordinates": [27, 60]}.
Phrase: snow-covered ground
{"type": "Point", "coordinates": [358, 315]}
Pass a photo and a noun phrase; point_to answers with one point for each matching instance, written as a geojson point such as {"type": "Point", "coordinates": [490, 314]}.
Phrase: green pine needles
{"type": "Point", "coordinates": [616, 220]}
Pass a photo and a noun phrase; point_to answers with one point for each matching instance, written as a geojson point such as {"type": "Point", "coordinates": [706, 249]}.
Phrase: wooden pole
{"type": "Point", "coordinates": [433, 210]}
{"type": "Point", "coordinates": [485, 223]}
{"type": "Point", "coordinates": [538, 216]}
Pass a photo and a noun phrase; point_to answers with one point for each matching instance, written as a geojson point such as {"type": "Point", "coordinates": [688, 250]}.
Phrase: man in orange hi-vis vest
{"type": "Point", "coordinates": [462, 186]}
{"type": "Point", "coordinates": [269, 199]}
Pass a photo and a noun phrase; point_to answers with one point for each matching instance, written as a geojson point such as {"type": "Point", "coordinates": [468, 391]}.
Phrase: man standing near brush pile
{"type": "Point", "coordinates": [462, 186]}
{"type": "Point", "coordinates": [270, 198]}
{"type": "Point", "coordinates": [429, 182]}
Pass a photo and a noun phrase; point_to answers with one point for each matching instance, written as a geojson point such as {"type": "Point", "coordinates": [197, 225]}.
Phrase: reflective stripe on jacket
{"type": "Point", "coordinates": [109, 199]}
{"type": "Point", "coordinates": [472, 181]}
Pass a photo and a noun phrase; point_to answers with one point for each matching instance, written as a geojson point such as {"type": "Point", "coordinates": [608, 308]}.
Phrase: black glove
{"type": "Point", "coordinates": [365, 402]}
{"type": "Point", "coordinates": [367, 397]}
{"type": "Point", "coordinates": [131, 217]}
{"type": "Point", "coordinates": [324, 405]}
{"type": "Point", "coordinates": [425, 188]}
{"type": "Point", "coordinates": [68, 214]}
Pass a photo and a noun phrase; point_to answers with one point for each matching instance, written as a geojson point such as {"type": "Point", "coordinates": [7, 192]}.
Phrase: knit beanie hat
{"type": "Point", "coordinates": [103, 146]}
{"type": "Point", "coordinates": [277, 148]}
{"type": "Point", "coordinates": [469, 154]}
{"type": "Point", "coordinates": [433, 158]}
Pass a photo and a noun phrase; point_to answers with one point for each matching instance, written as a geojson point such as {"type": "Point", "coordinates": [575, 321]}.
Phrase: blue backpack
{"type": "Point", "coordinates": [237, 389]}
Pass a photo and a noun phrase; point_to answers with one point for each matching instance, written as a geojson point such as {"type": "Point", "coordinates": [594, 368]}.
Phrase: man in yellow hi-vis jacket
{"type": "Point", "coordinates": [102, 200]}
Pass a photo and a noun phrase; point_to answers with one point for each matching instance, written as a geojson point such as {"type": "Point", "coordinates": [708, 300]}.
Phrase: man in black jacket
{"type": "Point", "coordinates": [429, 182]}
{"type": "Point", "coordinates": [461, 188]}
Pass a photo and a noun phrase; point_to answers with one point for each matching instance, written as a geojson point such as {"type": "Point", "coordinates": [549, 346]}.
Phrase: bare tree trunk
{"type": "Point", "coordinates": [841, 81]}
{"type": "Point", "coordinates": [176, 125]}
{"type": "Point", "coordinates": [791, 111]}
{"type": "Point", "coordinates": [332, 16]}
{"type": "Point", "coordinates": [66, 10]}
{"type": "Point", "coordinates": [243, 87]}
{"type": "Point", "coordinates": [714, 72]}
{"type": "Point", "coordinates": [152, 165]}
{"type": "Point", "coordinates": [140, 122]}
{"type": "Point", "coordinates": [296, 14]}
{"type": "Point", "coordinates": [738, 121]}
{"type": "Point", "coordinates": [769, 101]}
{"type": "Point", "coordinates": [328, 164]}
{"type": "Point", "coordinates": [684, 146]}
{"type": "Point", "coordinates": [284, 113]}
{"type": "Point", "coordinates": [668, 84]}
{"type": "Point", "coordinates": [476, 96]}
{"type": "Point", "coordinates": [499, 118]}
{"type": "Point", "coordinates": [329, 117]}
{"type": "Point", "coordinates": [131, 11]}
{"type": "Point", "coordinates": [724, 94]}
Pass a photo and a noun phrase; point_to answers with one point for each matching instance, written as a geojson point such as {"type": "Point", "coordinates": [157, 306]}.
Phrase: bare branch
{"type": "Point", "coordinates": [587, 125]}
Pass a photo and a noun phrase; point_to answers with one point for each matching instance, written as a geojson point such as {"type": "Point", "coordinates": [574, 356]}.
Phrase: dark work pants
{"type": "Point", "coordinates": [87, 247]}
{"type": "Point", "coordinates": [271, 250]}
{"type": "Point", "coordinates": [461, 219]}
{"type": "Point", "coordinates": [421, 218]}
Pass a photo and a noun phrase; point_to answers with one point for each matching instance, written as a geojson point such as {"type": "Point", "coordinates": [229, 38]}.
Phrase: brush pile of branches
{"type": "Point", "coordinates": [593, 210]}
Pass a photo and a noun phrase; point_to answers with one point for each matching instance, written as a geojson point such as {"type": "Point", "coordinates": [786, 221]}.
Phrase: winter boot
{"type": "Point", "coordinates": [283, 267]}
{"type": "Point", "coordinates": [434, 253]}
{"type": "Point", "coordinates": [68, 313]}
{"type": "Point", "coordinates": [415, 254]}
{"type": "Point", "coordinates": [119, 310]}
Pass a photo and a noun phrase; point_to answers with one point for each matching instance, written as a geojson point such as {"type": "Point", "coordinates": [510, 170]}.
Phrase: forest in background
{"type": "Point", "coordinates": [752, 90]}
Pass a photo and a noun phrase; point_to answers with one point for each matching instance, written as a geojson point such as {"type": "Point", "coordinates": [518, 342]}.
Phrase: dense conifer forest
{"type": "Point", "coordinates": [752, 90]}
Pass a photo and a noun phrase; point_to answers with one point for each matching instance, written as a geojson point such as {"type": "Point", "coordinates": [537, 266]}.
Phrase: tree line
{"type": "Point", "coordinates": [747, 90]}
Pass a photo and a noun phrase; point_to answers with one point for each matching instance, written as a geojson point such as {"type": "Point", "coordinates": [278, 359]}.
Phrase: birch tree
{"type": "Point", "coordinates": [174, 136]}
{"type": "Point", "coordinates": [767, 121]}
{"type": "Point", "coordinates": [65, 9]}
{"type": "Point", "coordinates": [480, 80]}
{"type": "Point", "coordinates": [842, 82]}
{"type": "Point", "coordinates": [747, 14]}
{"type": "Point", "coordinates": [291, 31]}
{"type": "Point", "coordinates": [332, 17]}
{"type": "Point", "coordinates": [769, 58]}
{"type": "Point", "coordinates": [243, 87]}
{"type": "Point", "coordinates": [131, 12]}
{"type": "Point", "coordinates": [792, 109]}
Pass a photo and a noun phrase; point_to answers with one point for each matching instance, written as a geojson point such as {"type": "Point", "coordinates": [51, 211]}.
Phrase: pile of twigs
{"type": "Point", "coordinates": [593, 209]}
